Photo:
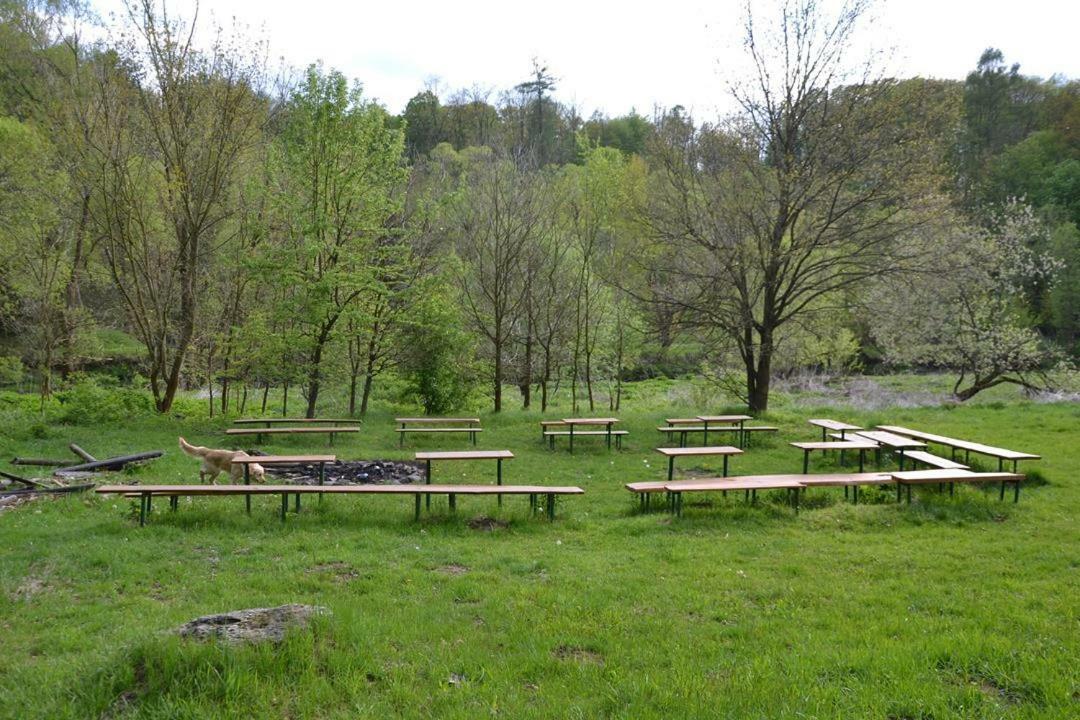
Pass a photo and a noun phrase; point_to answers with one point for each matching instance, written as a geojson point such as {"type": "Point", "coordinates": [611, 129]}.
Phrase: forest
{"type": "Point", "coordinates": [177, 213]}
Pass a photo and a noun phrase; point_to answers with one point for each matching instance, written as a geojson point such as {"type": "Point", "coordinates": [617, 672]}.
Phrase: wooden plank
{"type": "Point", "coordinates": [435, 420]}
{"type": "Point", "coordinates": [290, 430]}
{"type": "Point", "coordinates": [284, 459]}
{"type": "Point", "coordinates": [723, 419]}
{"type": "Point", "coordinates": [939, 475]}
{"type": "Point", "coordinates": [935, 461]}
{"type": "Point", "coordinates": [974, 447]}
{"type": "Point", "coordinates": [836, 445]}
{"type": "Point", "coordinates": [416, 489]}
{"type": "Point", "coordinates": [890, 440]}
{"type": "Point", "coordinates": [280, 420]}
{"type": "Point", "coordinates": [590, 421]}
{"type": "Point", "coordinates": [682, 421]}
{"type": "Point", "coordinates": [646, 487]}
{"type": "Point", "coordinates": [833, 424]}
{"type": "Point", "coordinates": [692, 451]}
{"type": "Point", "coordinates": [778, 482]}
{"type": "Point", "coordinates": [584, 433]}
{"type": "Point", "coordinates": [438, 430]}
{"type": "Point", "coordinates": [465, 455]}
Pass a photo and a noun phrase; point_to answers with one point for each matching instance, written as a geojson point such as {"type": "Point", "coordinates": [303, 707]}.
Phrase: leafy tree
{"type": "Point", "coordinates": [966, 311]}
{"type": "Point", "coordinates": [340, 165]}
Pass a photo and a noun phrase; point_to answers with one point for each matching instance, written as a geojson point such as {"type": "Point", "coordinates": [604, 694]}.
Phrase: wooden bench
{"type": "Point", "coordinates": [497, 455]}
{"type": "Point", "coordinates": [283, 421]}
{"type": "Point", "coordinates": [259, 432]}
{"type": "Point", "coordinates": [250, 460]}
{"type": "Point", "coordinates": [750, 484]}
{"type": "Point", "coordinates": [920, 456]}
{"type": "Point", "coordinates": [897, 443]}
{"type": "Point", "coordinates": [842, 445]}
{"type": "Point", "coordinates": [467, 425]}
{"type": "Point", "coordinates": [955, 475]}
{"type": "Point", "coordinates": [851, 482]}
{"type": "Point", "coordinates": [717, 450]}
{"type": "Point", "coordinates": [146, 493]}
{"type": "Point", "coordinates": [834, 425]}
{"type": "Point", "coordinates": [608, 431]}
{"type": "Point", "coordinates": [1002, 454]}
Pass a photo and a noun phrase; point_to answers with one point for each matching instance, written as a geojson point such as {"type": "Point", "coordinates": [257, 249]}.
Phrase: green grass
{"type": "Point", "coordinates": [962, 608]}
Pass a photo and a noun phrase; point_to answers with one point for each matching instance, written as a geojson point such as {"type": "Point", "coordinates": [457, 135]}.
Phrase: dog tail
{"type": "Point", "coordinates": [192, 450]}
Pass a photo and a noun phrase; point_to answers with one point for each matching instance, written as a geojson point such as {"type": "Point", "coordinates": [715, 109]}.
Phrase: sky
{"type": "Point", "coordinates": [614, 56]}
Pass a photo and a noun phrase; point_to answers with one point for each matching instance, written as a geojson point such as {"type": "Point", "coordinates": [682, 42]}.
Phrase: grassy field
{"type": "Point", "coordinates": [947, 608]}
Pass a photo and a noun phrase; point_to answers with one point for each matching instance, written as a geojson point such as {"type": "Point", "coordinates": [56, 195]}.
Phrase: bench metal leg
{"type": "Point", "coordinates": [401, 437]}
{"type": "Point", "coordinates": [609, 437]}
{"type": "Point", "coordinates": [805, 462]}
{"type": "Point", "coordinates": [725, 465]}
{"type": "Point", "coordinates": [678, 504]}
{"type": "Point", "coordinates": [247, 481]}
{"type": "Point", "coordinates": [427, 498]}
{"type": "Point", "coordinates": [909, 494]}
{"type": "Point", "coordinates": [705, 434]}
{"type": "Point", "coordinates": [296, 507]}
{"type": "Point", "coordinates": [322, 478]}
{"type": "Point", "coordinates": [453, 501]}
{"type": "Point", "coordinates": [798, 490]}
{"type": "Point", "coordinates": [144, 500]}
{"type": "Point", "coordinates": [1016, 491]}
{"type": "Point", "coordinates": [498, 476]}
{"type": "Point", "coordinates": [951, 489]}
{"type": "Point", "coordinates": [284, 505]}
{"type": "Point", "coordinates": [417, 515]}
{"type": "Point", "coordinates": [897, 492]}
{"type": "Point", "coordinates": [1001, 496]}
{"type": "Point", "coordinates": [854, 491]}
{"type": "Point", "coordinates": [845, 492]}
{"type": "Point", "coordinates": [173, 502]}
{"type": "Point", "coordinates": [862, 460]}
{"type": "Point", "coordinates": [532, 503]}
{"type": "Point", "coordinates": [551, 506]}
{"type": "Point", "coordinates": [670, 468]}
{"type": "Point", "coordinates": [571, 439]}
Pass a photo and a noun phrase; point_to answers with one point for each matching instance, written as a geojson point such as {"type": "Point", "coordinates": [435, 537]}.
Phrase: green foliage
{"type": "Point", "coordinates": [86, 401]}
{"type": "Point", "coordinates": [11, 370]}
{"type": "Point", "coordinates": [439, 362]}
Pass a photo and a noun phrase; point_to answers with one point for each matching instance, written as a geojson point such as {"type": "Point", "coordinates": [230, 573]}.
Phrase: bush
{"type": "Point", "coordinates": [11, 370]}
{"type": "Point", "coordinates": [86, 401]}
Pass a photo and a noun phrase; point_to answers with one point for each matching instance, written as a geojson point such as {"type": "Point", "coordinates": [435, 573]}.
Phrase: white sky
{"type": "Point", "coordinates": [616, 55]}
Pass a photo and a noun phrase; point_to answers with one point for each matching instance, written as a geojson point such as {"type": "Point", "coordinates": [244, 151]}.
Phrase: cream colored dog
{"type": "Point", "coordinates": [215, 462]}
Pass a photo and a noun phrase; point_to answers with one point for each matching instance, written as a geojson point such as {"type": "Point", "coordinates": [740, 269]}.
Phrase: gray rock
{"type": "Point", "coordinates": [252, 625]}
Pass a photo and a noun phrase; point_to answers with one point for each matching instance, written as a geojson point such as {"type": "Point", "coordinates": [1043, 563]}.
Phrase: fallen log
{"type": "Point", "coordinates": [48, 490]}
{"type": "Point", "coordinates": [24, 481]}
{"type": "Point", "coordinates": [113, 463]}
{"type": "Point", "coordinates": [87, 457]}
{"type": "Point", "coordinates": [41, 461]}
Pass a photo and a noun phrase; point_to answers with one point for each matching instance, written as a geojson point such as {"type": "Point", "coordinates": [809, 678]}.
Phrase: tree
{"type": "Point", "coordinates": [800, 196]}
{"type": "Point", "coordinates": [340, 165]}
{"type": "Point", "coordinates": [541, 82]}
{"type": "Point", "coordinates": [968, 315]}
{"type": "Point", "coordinates": [176, 124]}
{"type": "Point", "coordinates": [497, 215]}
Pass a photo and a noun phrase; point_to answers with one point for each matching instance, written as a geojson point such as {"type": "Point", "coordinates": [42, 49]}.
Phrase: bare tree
{"type": "Point", "coordinates": [176, 124]}
{"type": "Point", "coordinates": [801, 196]}
{"type": "Point", "coordinates": [497, 218]}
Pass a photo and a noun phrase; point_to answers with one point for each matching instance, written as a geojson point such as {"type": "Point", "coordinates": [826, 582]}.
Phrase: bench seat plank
{"type": "Point", "coordinates": [974, 447]}
{"type": "Point", "coordinates": [436, 420]}
{"type": "Point", "coordinates": [465, 455]}
{"type": "Point", "coordinates": [284, 459]}
{"type": "Point", "coordinates": [438, 430]}
{"type": "Point", "coordinates": [279, 421]}
{"type": "Point", "coordinates": [935, 461]}
{"type": "Point", "coordinates": [290, 430]}
{"type": "Point", "coordinates": [410, 489]}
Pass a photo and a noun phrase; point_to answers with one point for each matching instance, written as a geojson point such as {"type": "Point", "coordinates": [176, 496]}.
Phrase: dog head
{"type": "Point", "coordinates": [258, 474]}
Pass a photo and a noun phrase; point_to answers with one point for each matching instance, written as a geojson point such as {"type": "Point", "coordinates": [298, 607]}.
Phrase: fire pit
{"type": "Point", "coordinates": [351, 472]}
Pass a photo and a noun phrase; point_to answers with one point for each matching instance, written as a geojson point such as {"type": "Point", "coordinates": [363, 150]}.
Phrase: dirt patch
{"type": "Point", "coordinates": [487, 524]}
{"type": "Point", "coordinates": [578, 655]}
{"type": "Point", "coordinates": [31, 586]}
{"type": "Point", "coordinates": [341, 571]}
{"type": "Point", "coordinates": [452, 569]}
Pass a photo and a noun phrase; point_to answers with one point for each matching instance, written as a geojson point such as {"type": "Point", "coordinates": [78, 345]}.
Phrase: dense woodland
{"type": "Point", "coordinates": [178, 212]}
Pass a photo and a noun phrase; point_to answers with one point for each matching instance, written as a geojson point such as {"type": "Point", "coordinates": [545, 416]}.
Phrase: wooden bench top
{"type": "Point", "coordinates": [436, 420]}
{"type": "Point", "coordinates": [939, 475]}
{"type": "Point", "coordinates": [290, 430]}
{"type": "Point", "coordinates": [837, 445]}
{"type": "Point", "coordinates": [413, 489]}
{"type": "Point", "coordinates": [760, 482]}
{"type": "Point", "coordinates": [683, 421]}
{"type": "Point", "coordinates": [712, 450]}
{"type": "Point", "coordinates": [832, 424]}
{"type": "Point", "coordinates": [888, 439]}
{"type": "Point", "coordinates": [974, 447]}
{"type": "Point", "coordinates": [590, 421]}
{"type": "Point", "coordinates": [438, 429]}
{"type": "Point", "coordinates": [723, 418]}
{"type": "Point", "coordinates": [646, 487]}
{"type": "Point", "coordinates": [712, 429]}
{"type": "Point", "coordinates": [931, 459]}
{"type": "Point", "coordinates": [252, 421]}
{"type": "Point", "coordinates": [465, 455]}
{"type": "Point", "coordinates": [284, 459]}
{"type": "Point", "coordinates": [580, 433]}
{"type": "Point", "coordinates": [845, 479]}
{"type": "Point", "coordinates": [546, 423]}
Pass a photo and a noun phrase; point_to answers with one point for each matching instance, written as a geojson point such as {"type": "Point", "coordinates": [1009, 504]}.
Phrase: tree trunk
{"type": "Point", "coordinates": [369, 379]}
{"type": "Point", "coordinates": [498, 367]}
{"type": "Point", "coordinates": [266, 395]}
{"type": "Point", "coordinates": [284, 398]}
{"type": "Point", "coordinates": [760, 376]}
{"type": "Point", "coordinates": [352, 393]}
